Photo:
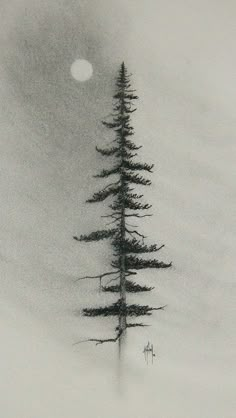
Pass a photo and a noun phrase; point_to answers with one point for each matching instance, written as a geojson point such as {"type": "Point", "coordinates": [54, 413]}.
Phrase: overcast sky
{"type": "Point", "coordinates": [182, 56]}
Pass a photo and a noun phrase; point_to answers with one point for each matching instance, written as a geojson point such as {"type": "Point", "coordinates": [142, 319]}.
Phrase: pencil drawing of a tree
{"type": "Point", "coordinates": [125, 204]}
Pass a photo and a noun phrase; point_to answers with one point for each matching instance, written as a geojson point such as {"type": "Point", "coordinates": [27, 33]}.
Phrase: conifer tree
{"type": "Point", "coordinates": [124, 205]}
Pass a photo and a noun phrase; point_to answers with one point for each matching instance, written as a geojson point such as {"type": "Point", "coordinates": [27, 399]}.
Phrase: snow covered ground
{"type": "Point", "coordinates": [183, 59]}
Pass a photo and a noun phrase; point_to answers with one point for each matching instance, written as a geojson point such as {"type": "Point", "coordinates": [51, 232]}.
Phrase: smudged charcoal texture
{"type": "Point", "coordinates": [117, 309]}
{"type": "Point", "coordinates": [99, 235]}
{"type": "Point", "coordinates": [130, 287]}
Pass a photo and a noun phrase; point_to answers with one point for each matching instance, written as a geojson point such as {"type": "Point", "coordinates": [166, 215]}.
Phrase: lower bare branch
{"type": "Point", "coordinates": [119, 333]}
{"type": "Point", "coordinates": [99, 276]}
{"type": "Point", "coordinates": [102, 341]}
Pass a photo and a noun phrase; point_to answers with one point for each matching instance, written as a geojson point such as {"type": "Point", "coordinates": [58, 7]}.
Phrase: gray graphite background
{"type": "Point", "coordinates": [182, 56]}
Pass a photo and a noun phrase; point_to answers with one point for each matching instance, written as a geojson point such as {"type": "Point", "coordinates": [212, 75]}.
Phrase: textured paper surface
{"type": "Point", "coordinates": [182, 57]}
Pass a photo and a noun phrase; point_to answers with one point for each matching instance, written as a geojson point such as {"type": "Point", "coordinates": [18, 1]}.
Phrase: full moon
{"type": "Point", "coordinates": [81, 70]}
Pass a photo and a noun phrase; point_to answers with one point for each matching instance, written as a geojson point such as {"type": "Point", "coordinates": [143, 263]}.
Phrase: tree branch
{"type": "Point", "coordinates": [100, 276]}
{"type": "Point", "coordinates": [112, 215]}
{"type": "Point", "coordinates": [102, 341]}
{"type": "Point", "coordinates": [112, 280]}
{"type": "Point", "coordinates": [111, 184]}
{"type": "Point", "coordinates": [135, 232]}
{"type": "Point", "coordinates": [159, 248]}
{"type": "Point", "coordinates": [112, 222]}
{"type": "Point", "coordinates": [136, 216]}
{"type": "Point", "coordinates": [161, 308]}
{"type": "Point", "coordinates": [130, 273]}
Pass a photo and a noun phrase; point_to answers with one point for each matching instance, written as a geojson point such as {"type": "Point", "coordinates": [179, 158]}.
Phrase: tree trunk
{"type": "Point", "coordinates": [122, 318]}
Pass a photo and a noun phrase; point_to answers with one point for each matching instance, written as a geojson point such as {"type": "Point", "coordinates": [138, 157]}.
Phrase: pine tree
{"type": "Point", "coordinates": [127, 242]}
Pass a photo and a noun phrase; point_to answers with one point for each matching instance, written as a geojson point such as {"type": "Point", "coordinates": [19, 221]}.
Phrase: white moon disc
{"type": "Point", "coordinates": [81, 70]}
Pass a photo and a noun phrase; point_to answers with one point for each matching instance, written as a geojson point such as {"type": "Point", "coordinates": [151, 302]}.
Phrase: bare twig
{"type": "Point", "coordinates": [111, 184]}
{"type": "Point", "coordinates": [101, 341]}
{"type": "Point", "coordinates": [135, 232]}
{"type": "Point", "coordinates": [136, 216]}
{"type": "Point", "coordinates": [113, 280]}
{"type": "Point", "coordinates": [112, 215]}
{"type": "Point", "coordinates": [99, 276]}
{"type": "Point", "coordinates": [133, 226]}
{"type": "Point", "coordinates": [161, 308]}
{"type": "Point", "coordinates": [112, 222]}
{"type": "Point", "coordinates": [162, 246]}
{"type": "Point", "coordinates": [130, 273]}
